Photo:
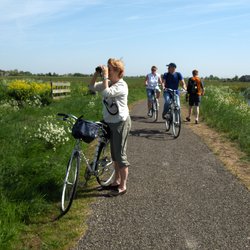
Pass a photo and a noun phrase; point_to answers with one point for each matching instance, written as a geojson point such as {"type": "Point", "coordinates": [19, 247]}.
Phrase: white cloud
{"type": "Point", "coordinates": [22, 10]}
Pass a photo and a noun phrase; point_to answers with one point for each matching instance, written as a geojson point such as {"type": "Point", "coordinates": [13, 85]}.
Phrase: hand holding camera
{"type": "Point", "coordinates": [102, 71]}
{"type": "Point", "coordinates": [98, 70]}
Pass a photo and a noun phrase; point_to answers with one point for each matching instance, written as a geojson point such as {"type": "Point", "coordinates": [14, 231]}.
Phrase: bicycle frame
{"type": "Point", "coordinates": [174, 119]}
{"type": "Point", "coordinates": [91, 167]}
{"type": "Point", "coordinates": [154, 106]}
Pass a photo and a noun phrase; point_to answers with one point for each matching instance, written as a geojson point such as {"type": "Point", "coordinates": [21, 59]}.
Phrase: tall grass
{"type": "Point", "coordinates": [229, 112]}
{"type": "Point", "coordinates": [34, 152]}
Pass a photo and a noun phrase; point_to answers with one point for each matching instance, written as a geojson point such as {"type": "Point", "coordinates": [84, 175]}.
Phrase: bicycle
{"type": "Point", "coordinates": [154, 111]}
{"type": "Point", "coordinates": [101, 167]}
{"type": "Point", "coordinates": [173, 116]}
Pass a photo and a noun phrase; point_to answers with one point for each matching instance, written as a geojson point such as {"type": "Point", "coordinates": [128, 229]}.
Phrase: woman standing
{"type": "Point", "coordinates": [114, 91]}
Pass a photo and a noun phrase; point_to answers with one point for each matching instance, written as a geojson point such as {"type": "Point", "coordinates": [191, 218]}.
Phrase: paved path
{"type": "Point", "coordinates": [179, 197]}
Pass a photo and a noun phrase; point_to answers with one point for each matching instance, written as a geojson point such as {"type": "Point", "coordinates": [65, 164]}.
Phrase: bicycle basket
{"type": "Point", "coordinates": [85, 130]}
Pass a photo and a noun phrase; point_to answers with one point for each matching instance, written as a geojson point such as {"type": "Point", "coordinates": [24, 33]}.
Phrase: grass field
{"type": "Point", "coordinates": [34, 150]}
{"type": "Point", "coordinates": [33, 155]}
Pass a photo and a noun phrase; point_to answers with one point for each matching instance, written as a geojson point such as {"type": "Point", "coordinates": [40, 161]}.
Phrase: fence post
{"type": "Point", "coordinates": [51, 89]}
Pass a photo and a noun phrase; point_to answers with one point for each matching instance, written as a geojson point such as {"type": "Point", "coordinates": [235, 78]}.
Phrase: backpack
{"type": "Point", "coordinates": [192, 87]}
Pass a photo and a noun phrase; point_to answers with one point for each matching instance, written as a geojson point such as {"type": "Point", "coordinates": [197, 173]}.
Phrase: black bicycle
{"type": "Point", "coordinates": [173, 116]}
{"type": "Point", "coordinates": [101, 166]}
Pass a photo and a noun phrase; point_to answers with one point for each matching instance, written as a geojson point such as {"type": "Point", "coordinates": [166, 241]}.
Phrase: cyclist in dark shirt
{"type": "Point", "coordinates": [171, 80]}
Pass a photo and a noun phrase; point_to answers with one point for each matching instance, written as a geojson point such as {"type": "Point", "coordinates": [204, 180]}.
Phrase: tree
{"type": "Point", "coordinates": [236, 78]}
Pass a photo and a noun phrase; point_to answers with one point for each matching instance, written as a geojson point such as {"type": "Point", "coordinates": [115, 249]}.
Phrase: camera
{"type": "Point", "coordinates": [98, 69]}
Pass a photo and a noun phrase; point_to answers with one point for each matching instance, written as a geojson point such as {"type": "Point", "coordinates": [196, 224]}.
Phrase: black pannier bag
{"type": "Point", "coordinates": [85, 130]}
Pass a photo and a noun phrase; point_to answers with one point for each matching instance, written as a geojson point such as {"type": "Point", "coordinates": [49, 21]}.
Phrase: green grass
{"type": "Point", "coordinates": [224, 108]}
{"type": "Point", "coordinates": [31, 172]}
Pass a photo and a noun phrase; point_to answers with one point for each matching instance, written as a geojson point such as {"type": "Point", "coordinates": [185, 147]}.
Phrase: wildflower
{"type": "Point", "coordinates": [52, 132]}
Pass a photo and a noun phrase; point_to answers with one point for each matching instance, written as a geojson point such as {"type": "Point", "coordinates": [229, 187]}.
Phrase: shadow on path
{"type": "Point", "coordinates": [152, 134]}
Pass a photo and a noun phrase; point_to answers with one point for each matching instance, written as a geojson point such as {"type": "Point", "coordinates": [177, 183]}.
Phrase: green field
{"type": "Point", "coordinates": [34, 152]}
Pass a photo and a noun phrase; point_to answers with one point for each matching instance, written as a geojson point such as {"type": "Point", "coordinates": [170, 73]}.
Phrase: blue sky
{"type": "Point", "coordinates": [68, 36]}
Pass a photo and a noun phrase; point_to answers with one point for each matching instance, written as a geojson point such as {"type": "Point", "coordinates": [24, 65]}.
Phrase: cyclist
{"type": "Point", "coordinates": [171, 80]}
{"type": "Point", "coordinates": [195, 90]}
{"type": "Point", "coordinates": [152, 82]}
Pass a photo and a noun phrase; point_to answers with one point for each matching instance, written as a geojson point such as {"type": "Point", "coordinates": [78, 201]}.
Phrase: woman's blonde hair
{"type": "Point", "coordinates": [117, 65]}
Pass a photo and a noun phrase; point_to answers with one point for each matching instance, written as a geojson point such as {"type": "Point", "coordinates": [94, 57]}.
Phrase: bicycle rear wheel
{"type": "Point", "coordinates": [104, 167]}
{"type": "Point", "coordinates": [176, 123]}
{"type": "Point", "coordinates": [70, 182]}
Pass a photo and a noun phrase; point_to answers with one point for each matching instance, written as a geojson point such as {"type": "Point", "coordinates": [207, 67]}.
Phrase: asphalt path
{"type": "Point", "coordinates": [179, 197]}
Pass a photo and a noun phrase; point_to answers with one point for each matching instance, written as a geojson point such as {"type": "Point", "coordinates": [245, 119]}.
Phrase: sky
{"type": "Point", "coordinates": [69, 36]}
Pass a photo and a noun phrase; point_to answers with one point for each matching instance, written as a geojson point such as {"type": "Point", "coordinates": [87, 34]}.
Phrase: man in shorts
{"type": "Point", "coordinates": [195, 90]}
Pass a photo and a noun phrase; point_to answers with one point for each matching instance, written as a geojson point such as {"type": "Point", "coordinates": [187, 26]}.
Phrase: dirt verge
{"type": "Point", "coordinates": [226, 151]}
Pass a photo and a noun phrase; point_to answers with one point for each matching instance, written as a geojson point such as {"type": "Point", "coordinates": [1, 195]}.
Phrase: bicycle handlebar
{"type": "Point", "coordinates": [176, 90]}
{"type": "Point", "coordinates": [66, 116]}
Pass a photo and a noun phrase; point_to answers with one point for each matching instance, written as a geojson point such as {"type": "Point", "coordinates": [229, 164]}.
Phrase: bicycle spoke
{"type": "Point", "coordinates": [176, 123]}
{"type": "Point", "coordinates": [105, 168]}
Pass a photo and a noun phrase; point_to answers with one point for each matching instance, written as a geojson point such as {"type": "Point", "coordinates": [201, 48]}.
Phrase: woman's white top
{"type": "Point", "coordinates": [117, 92]}
{"type": "Point", "coordinates": [152, 80]}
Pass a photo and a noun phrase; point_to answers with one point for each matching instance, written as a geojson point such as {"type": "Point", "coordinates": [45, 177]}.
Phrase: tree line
{"type": "Point", "coordinates": [15, 72]}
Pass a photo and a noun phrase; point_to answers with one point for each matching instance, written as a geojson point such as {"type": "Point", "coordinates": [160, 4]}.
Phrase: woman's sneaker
{"type": "Point", "coordinates": [188, 119]}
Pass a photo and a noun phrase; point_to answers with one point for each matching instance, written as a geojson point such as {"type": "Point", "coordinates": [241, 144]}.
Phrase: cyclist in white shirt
{"type": "Point", "coordinates": [152, 82]}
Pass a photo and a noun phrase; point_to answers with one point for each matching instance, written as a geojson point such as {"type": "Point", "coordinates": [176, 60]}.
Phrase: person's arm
{"type": "Point", "coordinates": [183, 84]}
{"type": "Point", "coordinates": [163, 82]}
{"type": "Point", "coordinates": [105, 79]}
{"type": "Point", "coordinates": [202, 88]}
{"type": "Point", "coordinates": [95, 86]}
{"type": "Point", "coordinates": [93, 79]}
{"type": "Point", "coordinates": [160, 80]}
{"type": "Point", "coordinates": [146, 81]}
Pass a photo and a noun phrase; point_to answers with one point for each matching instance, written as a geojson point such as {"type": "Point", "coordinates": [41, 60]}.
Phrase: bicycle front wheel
{"type": "Point", "coordinates": [105, 170]}
{"type": "Point", "coordinates": [155, 111]}
{"type": "Point", "coordinates": [176, 123]}
{"type": "Point", "coordinates": [70, 182]}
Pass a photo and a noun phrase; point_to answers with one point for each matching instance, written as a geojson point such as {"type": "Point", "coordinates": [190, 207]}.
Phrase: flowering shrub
{"type": "Point", "coordinates": [29, 92]}
{"type": "Point", "coordinates": [52, 133]}
{"type": "Point", "coordinates": [10, 104]}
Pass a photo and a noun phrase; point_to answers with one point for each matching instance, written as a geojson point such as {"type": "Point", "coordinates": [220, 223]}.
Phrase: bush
{"type": "Point", "coordinates": [29, 92]}
{"type": "Point", "coordinates": [3, 90]}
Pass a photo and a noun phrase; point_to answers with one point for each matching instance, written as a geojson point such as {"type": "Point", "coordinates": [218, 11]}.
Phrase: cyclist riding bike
{"type": "Point", "coordinates": [171, 80]}
{"type": "Point", "coordinates": [152, 82]}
